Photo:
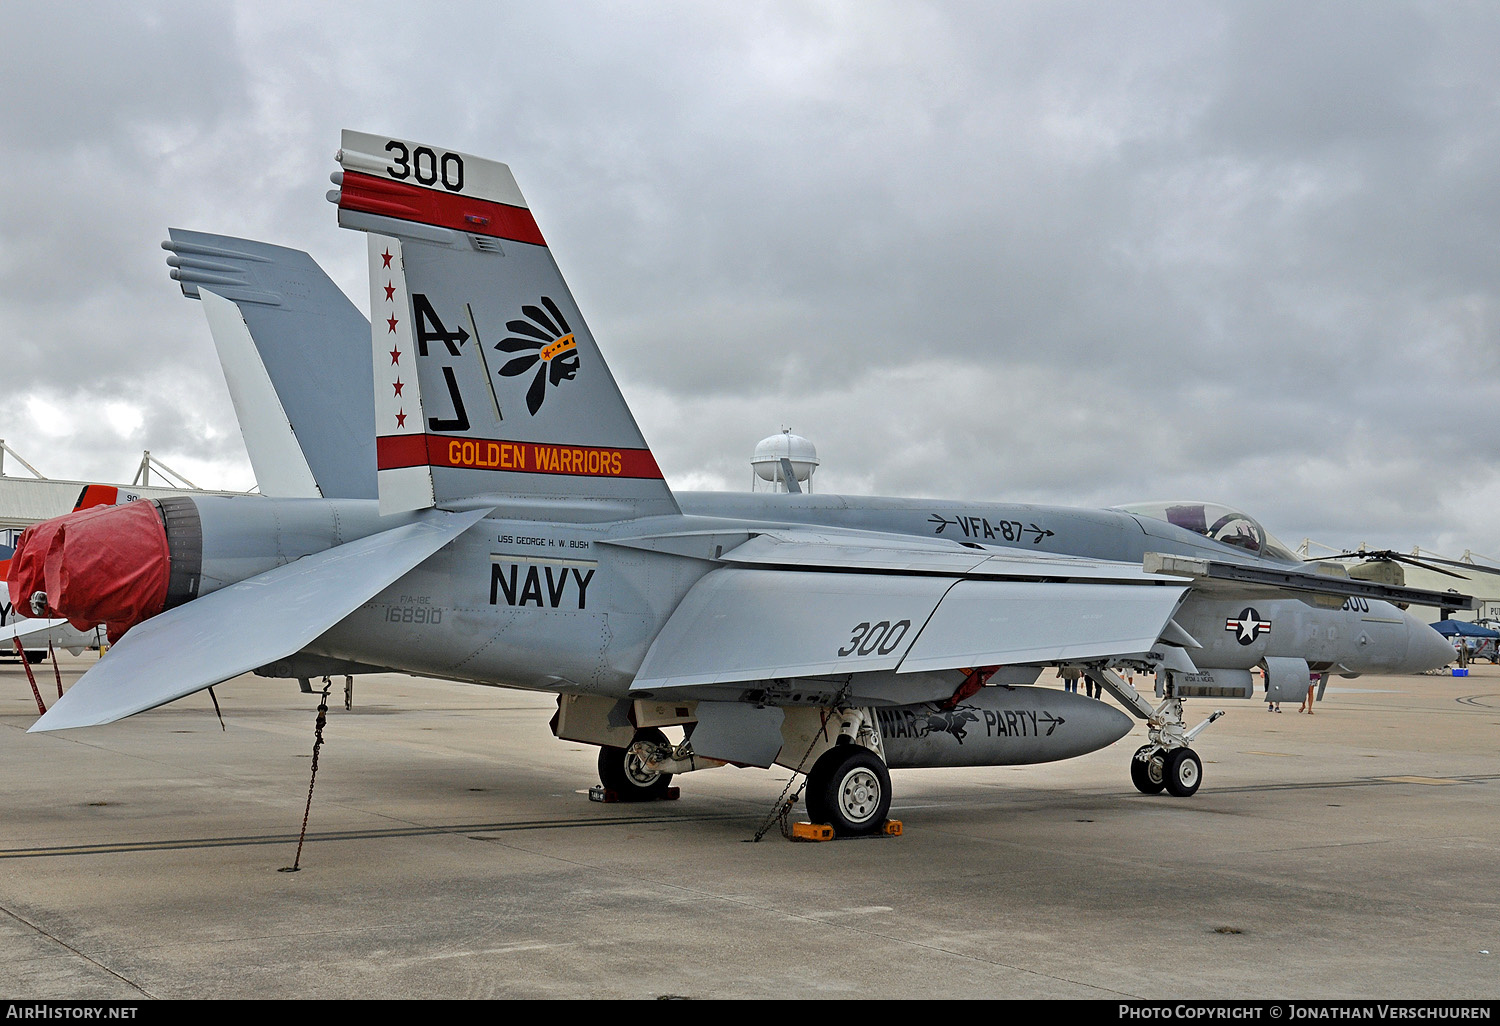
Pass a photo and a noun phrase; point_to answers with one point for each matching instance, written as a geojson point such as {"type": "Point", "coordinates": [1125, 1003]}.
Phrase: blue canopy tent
{"type": "Point", "coordinates": [1463, 628]}
{"type": "Point", "coordinates": [1481, 642]}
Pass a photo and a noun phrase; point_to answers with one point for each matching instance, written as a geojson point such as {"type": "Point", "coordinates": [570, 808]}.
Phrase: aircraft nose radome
{"type": "Point", "coordinates": [1426, 649]}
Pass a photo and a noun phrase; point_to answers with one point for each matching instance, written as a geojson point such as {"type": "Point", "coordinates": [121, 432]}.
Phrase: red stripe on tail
{"type": "Point", "coordinates": [372, 195]}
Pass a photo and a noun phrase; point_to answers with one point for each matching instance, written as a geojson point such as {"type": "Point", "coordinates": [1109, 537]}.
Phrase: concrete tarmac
{"type": "Point", "coordinates": [452, 852]}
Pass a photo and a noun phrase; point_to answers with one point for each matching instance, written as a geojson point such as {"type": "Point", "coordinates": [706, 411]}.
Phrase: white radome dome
{"type": "Point", "coordinates": [769, 452]}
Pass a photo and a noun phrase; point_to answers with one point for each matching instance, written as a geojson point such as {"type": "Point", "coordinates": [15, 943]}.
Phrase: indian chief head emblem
{"type": "Point", "coordinates": [552, 350]}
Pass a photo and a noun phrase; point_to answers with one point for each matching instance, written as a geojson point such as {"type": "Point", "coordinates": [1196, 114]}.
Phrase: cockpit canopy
{"type": "Point", "coordinates": [1218, 523]}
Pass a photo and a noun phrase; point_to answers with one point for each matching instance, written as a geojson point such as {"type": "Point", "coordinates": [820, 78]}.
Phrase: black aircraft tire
{"type": "Point", "coordinates": [814, 790]}
{"type": "Point", "coordinates": [622, 773]}
{"type": "Point", "coordinates": [849, 788]}
{"type": "Point", "coordinates": [1148, 776]}
{"type": "Point", "coordinates": [1184, 772]}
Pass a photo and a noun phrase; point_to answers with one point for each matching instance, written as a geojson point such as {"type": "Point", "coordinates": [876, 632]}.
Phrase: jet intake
{"type": "Point", "coordinates": [1286, 679]}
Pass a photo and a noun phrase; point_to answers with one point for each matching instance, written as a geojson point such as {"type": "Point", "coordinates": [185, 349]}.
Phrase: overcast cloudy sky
{"type": "Point", "coordinates": [1079, 253]}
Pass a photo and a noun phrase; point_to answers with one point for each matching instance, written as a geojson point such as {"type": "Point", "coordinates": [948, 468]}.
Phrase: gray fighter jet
{"type": "Point", "coordinates": [520, 534]}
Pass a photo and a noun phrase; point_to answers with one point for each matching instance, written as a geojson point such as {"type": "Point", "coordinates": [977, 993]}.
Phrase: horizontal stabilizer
{"type": "Point", "coordinates": [33, 632]}
{"type": "Point", "coordinates": [249, 624]}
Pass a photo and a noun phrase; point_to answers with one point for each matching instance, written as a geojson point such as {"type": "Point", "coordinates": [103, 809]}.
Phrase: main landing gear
{"type": "Point", "coordinates": [1167, 763]}
{"type": "Point", "coordinates": [626, 773]}
{"type": "Point", "coordinates": [849, 789]}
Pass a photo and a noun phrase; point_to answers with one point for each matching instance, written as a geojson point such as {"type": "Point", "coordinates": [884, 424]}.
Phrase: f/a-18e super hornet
{"type": "Point", "coordinates": [521, 535]}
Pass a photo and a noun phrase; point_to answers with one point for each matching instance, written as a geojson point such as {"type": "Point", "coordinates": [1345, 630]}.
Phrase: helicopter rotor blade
{"type": "Point", "coordinates": [1371, 555]}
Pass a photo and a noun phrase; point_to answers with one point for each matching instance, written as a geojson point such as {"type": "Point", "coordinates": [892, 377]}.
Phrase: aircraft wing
{"type": "Point", "coordinates": [859, 551]}
{"type": "Point", "coordinates": [186, 649]}
{"type": "Point", "coordinates": [793, 604]}
{"type": "Point", "coordinates": [1329, 582]}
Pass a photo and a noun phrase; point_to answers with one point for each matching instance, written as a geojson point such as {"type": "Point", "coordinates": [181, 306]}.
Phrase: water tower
{"type": "Point", "coordinates": [786, 461]}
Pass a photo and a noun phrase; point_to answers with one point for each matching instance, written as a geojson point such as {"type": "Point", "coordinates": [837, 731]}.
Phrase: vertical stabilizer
{"type": "Point", "coordinates": [292, 325]}
{"type": "Point", "coordinates": [281, 469]}
{"type": "Point", "coordinates": [404, 474]}
{"type": "Point", "coordinates": [509, 394]}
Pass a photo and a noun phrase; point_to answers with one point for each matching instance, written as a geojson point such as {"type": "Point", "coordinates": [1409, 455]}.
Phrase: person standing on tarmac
{"type": "Point", "coordinates": [1306, 706]}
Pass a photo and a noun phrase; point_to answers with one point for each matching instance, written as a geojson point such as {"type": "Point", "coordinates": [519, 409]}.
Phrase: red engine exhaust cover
{"type": "Point", "coordinates": [108, 565]}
